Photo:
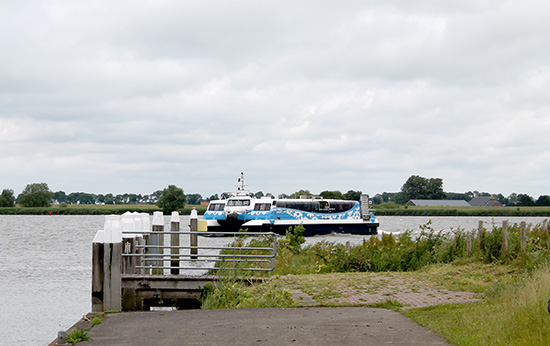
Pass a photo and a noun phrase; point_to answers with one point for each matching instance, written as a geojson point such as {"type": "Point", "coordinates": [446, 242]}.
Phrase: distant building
{"type": "Point", "coordinates": [485, 202]}
{"type": "Point", "coordinates": [437, 203]}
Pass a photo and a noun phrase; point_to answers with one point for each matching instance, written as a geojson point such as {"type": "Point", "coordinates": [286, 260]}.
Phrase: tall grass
{"type": "Point", "coordinates": [513, 315]}
{"type": "Point", "coordinates": [410, 251]}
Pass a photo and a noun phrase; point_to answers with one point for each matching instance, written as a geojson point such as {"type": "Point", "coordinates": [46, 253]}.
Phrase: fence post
{"type": "Point", "coordinates": [157, 240]}
{"type": "Point", "coordinates": [194, 238]}
{"type": "Point", "coordinates": [107, 266]}
{"type": "Point", "coordinates": [469, 244]}
{"type": "Point", "coordinates": [505, 236]}
{"type": "Point", "coordinates": [98, 275]}
{"type": "Point", "coordinates": [523, 236]}
{"type": "Point", "coordinates": [175, 242]}
{"type": "Point", "coordinates": [480, 232]}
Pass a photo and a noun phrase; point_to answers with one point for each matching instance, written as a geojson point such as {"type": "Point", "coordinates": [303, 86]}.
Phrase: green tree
{"type": "Point", "coordinates": [35, 195]}
{"type": "Point", "coordinates": [259, 194]}
{"type": "Point", "coordinates": [7, 199]}
{"type": "Point", "coordinates": [543, 200]}
{"type": "Point", "coordinates": [214, 197]}
{"type": "Point", "coordinates": [60, 197]}
{"type": "Point", "coordinates": [299, 193]}
{"type": "Point", "coordinates": [172, 199]}
{"type": "Point", "coordinates": [417, 187]}
{"type": "Point", "coordinates": [194, 198]}
{"type": "Point", "coordinates": [332, 195]}
{"type": "Point", "coordinates": [353, 195]}
{"type": "Point", "coordinates": [526, 200]}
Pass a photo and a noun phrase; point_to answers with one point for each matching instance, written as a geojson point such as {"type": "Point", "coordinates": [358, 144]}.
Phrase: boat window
{"type": "Point", "coordinates": [216, 206]}
{"type": "Point", "coordinates": [262, 206]}
{"type": "Point", "coordinates": [238, 202]}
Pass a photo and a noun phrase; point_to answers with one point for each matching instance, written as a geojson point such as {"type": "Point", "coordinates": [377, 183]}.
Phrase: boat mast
{"type": "Point", "coordinates": [241, 180]}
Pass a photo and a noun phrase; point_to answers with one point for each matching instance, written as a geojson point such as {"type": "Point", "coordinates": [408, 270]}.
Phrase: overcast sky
{"type": "Point", "coordinates": [133, 96]}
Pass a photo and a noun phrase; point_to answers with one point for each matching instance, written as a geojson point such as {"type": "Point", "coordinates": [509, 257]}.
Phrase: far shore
{"type": "Point", "coordinates": [90, 209]}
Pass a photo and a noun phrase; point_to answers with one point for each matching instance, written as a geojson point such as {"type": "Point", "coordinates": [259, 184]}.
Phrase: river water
{"type": "Point", "coordinates": [45, 266]}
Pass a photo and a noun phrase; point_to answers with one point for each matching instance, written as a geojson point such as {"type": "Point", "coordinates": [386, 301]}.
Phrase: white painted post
{"type": "Point", "coordinates": [61, 338]}
{"type": "Point", "coordinates": [157, 240]}
{"type": "Point", "coordinates": [98, 275]}
{"type": "Point", "coordinates": [112, 264]}
{"type": "Point", "coordinates": [175, 242]}
{"type": "Point", "coordinates": [194, 239]}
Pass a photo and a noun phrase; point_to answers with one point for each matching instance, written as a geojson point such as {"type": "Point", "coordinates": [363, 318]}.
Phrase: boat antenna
{"type": "Point", "coordinates": [241, 180]}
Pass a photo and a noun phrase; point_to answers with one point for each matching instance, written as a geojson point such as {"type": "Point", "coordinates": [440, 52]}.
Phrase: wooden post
{"type": "Point", "coordinates": [129, 247]}
{"type": "Point", "coordinates": [61, 338]}
{"type": "Point", "coordinates": [175, 242]}
{"type": "Point", "coordinates": [480, 232]}
{"type": "Point", "coordinates": [107, 266]}
{"type": "Point", "coordinates": [157, 240]}
{"type": "Point", "coordinates": [112, 283]}
{"type": "Point", "coordinates": [523, 236]}
{"type": "Point", "coordinates": [97, 272]}
{"type": "Point", "coordinates": [469, 244]}
{"type": "Point", "coordinates": [130, 302]}
{"type": "Point", "coordinates": [194, 239]}
{"type": "Point", "coordinates": [274, 253]}
{"type": "Point", "coordinates": [505, 236]}
{"type": "Point", "coordinates": [347, 249]}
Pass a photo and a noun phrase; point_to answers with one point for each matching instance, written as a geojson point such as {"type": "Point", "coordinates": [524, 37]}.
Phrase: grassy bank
{"type": "Point", "coordinates": [462, 211]}
{"type": "Point", "coordinates": [512, 285]}
{"type": "Point", "coordinates": [87, 209]}
{"type": "Point", "coordinates": [511, 314]}
{"type": "Point", "coordinates": [395, 210]}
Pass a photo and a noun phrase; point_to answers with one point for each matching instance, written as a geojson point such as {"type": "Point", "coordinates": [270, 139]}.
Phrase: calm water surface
{"type": "Point", "coordinates": [45, 267]}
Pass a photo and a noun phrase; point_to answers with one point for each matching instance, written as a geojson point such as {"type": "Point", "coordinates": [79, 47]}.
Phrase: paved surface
{"type": "Point", "coordinates": [407, 291]}
{"type": "Point", "coordinates": [294, 326]}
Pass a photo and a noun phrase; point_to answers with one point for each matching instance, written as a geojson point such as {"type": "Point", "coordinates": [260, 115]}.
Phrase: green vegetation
{"type": "Point", "coordinates": [35, 195]}
{"type": "Point", "coordinates": [417, 187]}
{"type": "Point", "coordinates": [231, 293]}
{"type": "Point", "coordinates": [172, 199]}
{"type": "Point", "coordinates": [393, 209]}
{"type": "Point", "coordinates": [513, 285]}
{"type": "Point", "coordinates": [96, 320]}
{"type": "Point", "coordinates": [77, 336]}
{"type": "Point", "coordinates": [412, 251]}
{"type": "Point", "coordinates": [90, 209]}
{"type": "Point", "coordinates": [513, 314]}
{"type": "Point", "coordinates": [7, 199]}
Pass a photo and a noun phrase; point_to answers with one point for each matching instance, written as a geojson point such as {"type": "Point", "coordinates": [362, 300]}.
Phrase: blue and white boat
{"type": "Point", "coordinates": [317, 215]}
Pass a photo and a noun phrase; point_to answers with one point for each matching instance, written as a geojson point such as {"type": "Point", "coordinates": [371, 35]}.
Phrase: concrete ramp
{"type": "Point", "coordinates": [294, 326]}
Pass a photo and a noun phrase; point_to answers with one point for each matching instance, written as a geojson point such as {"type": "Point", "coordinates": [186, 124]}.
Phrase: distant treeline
{"type": "Point", "coordinates": [87, 209]}
{"type": "Point", "coordinates": [463, 211]}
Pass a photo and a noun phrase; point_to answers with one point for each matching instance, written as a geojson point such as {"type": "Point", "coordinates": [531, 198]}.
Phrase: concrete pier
{"type": "Point", "coordinates": [294, 326]}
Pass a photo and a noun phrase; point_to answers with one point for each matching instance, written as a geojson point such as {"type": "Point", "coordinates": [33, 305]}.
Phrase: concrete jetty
{"type": "Point", "coordinates": [272, 326]}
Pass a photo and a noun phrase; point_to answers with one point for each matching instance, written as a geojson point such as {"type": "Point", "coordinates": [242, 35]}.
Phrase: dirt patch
{"type": "Point", "coordinates": [409, 292]}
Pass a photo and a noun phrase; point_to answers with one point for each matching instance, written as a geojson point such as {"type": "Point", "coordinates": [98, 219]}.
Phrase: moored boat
{"type": "Point", "coordinates": [317, 215]}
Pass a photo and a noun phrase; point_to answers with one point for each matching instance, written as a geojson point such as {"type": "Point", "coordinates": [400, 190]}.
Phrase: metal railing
{"type": "Point", "coordinates": [150, 256]}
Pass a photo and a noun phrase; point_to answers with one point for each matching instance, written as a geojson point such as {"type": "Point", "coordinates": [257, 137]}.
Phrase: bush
{"type": "Point", "coordinates": [410, 251]}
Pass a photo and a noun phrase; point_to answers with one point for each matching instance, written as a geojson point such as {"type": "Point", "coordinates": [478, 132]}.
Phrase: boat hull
{"type": "Point", "coordinates": [311, 228]}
